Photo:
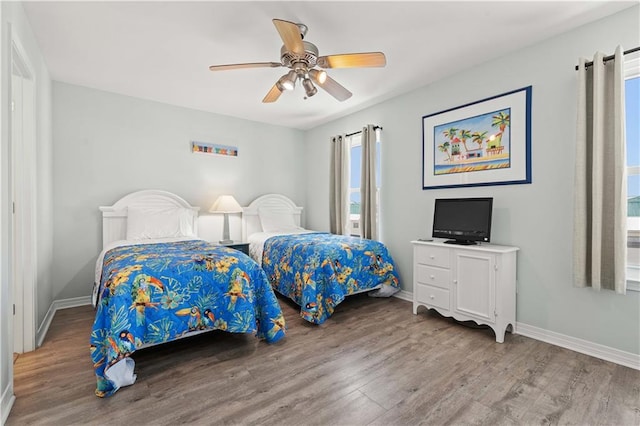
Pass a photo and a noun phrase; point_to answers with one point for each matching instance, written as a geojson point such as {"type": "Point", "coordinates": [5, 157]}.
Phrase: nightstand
{"type": "Point", "coordinates": [238, 245]}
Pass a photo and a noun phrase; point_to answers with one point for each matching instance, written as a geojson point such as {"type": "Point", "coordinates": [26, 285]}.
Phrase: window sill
{"type": "Point", "coordinates": [633, 285]}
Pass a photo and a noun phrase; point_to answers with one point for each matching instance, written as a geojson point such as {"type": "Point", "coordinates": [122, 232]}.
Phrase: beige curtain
{"type": "Point", "coordinates": [339, 186]}
{"type": "Point", "coordinates": [600, 209]}
{"type": "Point", "coordinates": [368, 190]}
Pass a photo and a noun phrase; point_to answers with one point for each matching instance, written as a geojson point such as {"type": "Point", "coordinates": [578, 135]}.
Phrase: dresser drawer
{"type": "Point", "coordinates": [430, 255]}
{"type": "Point", "coordinates": [437, 277]}
{"type": "Point", "coordinates": [432, 296]}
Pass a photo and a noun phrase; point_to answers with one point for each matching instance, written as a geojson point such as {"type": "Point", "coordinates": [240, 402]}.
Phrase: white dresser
{"type": "Point", "coordinates": [476, 283]}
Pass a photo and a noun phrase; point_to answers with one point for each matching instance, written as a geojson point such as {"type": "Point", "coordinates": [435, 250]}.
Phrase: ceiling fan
{"type": "Point", "coordinates": [302, 58]}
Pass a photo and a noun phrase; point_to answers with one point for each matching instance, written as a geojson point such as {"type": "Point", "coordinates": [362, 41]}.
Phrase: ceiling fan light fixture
{"type": "Point", "coordinates": [284, 84]}
{"type": "Point", "coordinates": [302, 58]}
{"type": "Point", "coordinates": [319, 76]}
{"type": "Point", "coordinates": [309, 88]}
{"type": "Point", "coordinates": [287, 81]}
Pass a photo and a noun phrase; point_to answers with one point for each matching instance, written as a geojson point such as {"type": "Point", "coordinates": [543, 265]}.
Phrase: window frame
{"type": "Point", "coordinates": [632, 70]}
{"type": "Point", "coordinates": [355, 141]}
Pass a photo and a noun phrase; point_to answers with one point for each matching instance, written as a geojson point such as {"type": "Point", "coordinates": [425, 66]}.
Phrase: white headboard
{"type": "Point", "coordinates": [274, 203]}
{"type": "Point", "coordinates": [114, 218]}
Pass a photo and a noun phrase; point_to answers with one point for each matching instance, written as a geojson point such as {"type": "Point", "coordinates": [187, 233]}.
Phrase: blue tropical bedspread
{"type": "Point", "coordinates": [317, 270]}
{"type": "Point", "coordinates": [154, 293]}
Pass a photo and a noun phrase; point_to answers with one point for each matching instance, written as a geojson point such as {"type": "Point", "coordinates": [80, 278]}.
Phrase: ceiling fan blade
{"type": "Point", "coordinates": [353, 60]}
{"type": "Point", "coordinates": [273, 95]}
{"type": "Point", "coordinates": [290, 35]}
{"type": "Point", "coordinates": [249, 65]}
{"type": "Point", "coordinates": [335, 89]}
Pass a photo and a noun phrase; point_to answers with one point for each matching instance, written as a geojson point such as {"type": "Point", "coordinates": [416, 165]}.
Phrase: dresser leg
{"type": "Point", "coordinates": [500, 334]}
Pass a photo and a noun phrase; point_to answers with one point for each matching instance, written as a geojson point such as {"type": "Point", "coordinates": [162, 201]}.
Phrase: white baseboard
{"type": "Point", "coordinates": [583, 346]}
{"type": "Point", "coordinates": [58, 304]}
{"type": "Point", "coordinates": [8, 398]}
{"type": "Point", "coordinates": [573, 343]}
{"type": "Point", "coordinates": [404, 295]}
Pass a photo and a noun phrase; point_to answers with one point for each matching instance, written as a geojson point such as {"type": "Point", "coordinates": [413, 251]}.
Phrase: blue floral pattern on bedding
{"type": "Point", "coordinates": [154, 293]}
{"type": "Point", "coordinates": [317, 270]}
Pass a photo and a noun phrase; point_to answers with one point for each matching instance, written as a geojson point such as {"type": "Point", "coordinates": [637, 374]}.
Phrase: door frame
{"type": "Point", "coordinates": [23, 186]}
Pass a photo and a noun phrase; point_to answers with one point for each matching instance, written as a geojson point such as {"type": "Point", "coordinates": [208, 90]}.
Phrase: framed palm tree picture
{"type": "Point", "coordinates": [487, 142]}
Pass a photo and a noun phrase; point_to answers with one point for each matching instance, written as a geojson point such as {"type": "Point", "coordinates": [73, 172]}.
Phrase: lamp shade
{"type": "Point", "coordinates": [318, 75]}
{"type": "Point", "coordinates": [226, 204]}
{"type": "Point", "coordinates": [309, 88]}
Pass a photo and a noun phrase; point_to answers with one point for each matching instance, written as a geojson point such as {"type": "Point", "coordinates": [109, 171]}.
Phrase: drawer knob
{"type": "Point", "coordinates": [432, 257]}
{"type": "Point", "coordinates": [431, 276]}
{"type": "Point", "coordinates": [432, 297]}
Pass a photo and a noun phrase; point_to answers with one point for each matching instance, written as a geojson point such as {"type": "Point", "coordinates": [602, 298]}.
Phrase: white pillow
{"type": "Point", "coordinates": [144, 223]}
{"type": "Point", "coordinates": [277, 221]}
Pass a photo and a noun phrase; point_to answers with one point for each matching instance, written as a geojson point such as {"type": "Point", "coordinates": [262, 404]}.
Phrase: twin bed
{"type": "Point", "coordinates": [157, 282]}
{"type": "Point", "coordinates": [316, 270]}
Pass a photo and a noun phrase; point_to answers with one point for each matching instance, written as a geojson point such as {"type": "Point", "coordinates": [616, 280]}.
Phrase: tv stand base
{"type": "Point", "coordinates": [468, 283]}
{"type": "Point", "coordinates": [461, 242]}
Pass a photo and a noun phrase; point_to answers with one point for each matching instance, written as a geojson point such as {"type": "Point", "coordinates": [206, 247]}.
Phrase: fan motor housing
{"type": "Point", "coordinates": [310, 56]}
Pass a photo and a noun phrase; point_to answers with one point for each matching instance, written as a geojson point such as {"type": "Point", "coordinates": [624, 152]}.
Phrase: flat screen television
{"type": "Point", "coordinates": [463, 220]}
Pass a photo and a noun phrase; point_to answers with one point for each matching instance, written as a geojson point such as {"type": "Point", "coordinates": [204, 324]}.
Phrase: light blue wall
{"type": "Point", "coordinates": [108, 145]}
{"type": "Point", "coordinates": [536, 217]}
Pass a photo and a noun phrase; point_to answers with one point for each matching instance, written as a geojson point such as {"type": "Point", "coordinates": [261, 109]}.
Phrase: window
{"type": "Point", "coordinates": [355, 168]}
{"type": "Point", "coordinates": [632, 109]}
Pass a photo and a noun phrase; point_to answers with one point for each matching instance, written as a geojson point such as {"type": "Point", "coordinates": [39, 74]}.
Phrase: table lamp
{"type": "Point", "coordinates": [226, 204]}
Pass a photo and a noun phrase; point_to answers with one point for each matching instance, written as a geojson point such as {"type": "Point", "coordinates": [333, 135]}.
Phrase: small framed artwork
{"type": "Point", "coordinates": [210, 148]}
{"type": "Point", "coordinates": [487, 142]}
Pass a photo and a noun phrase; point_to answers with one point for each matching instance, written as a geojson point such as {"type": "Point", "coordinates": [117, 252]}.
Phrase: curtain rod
{"type": "Point", "coordinates": [610, 57]}
{"type": "Point", "coordinates": [360, 131]}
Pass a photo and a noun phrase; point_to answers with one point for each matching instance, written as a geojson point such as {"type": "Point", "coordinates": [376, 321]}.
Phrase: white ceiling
{"type": "Point", "coordinates": [161, 51]}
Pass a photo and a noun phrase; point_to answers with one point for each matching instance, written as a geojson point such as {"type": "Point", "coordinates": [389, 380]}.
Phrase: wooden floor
{"type": "Point", "coordinates": [372, 363]}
